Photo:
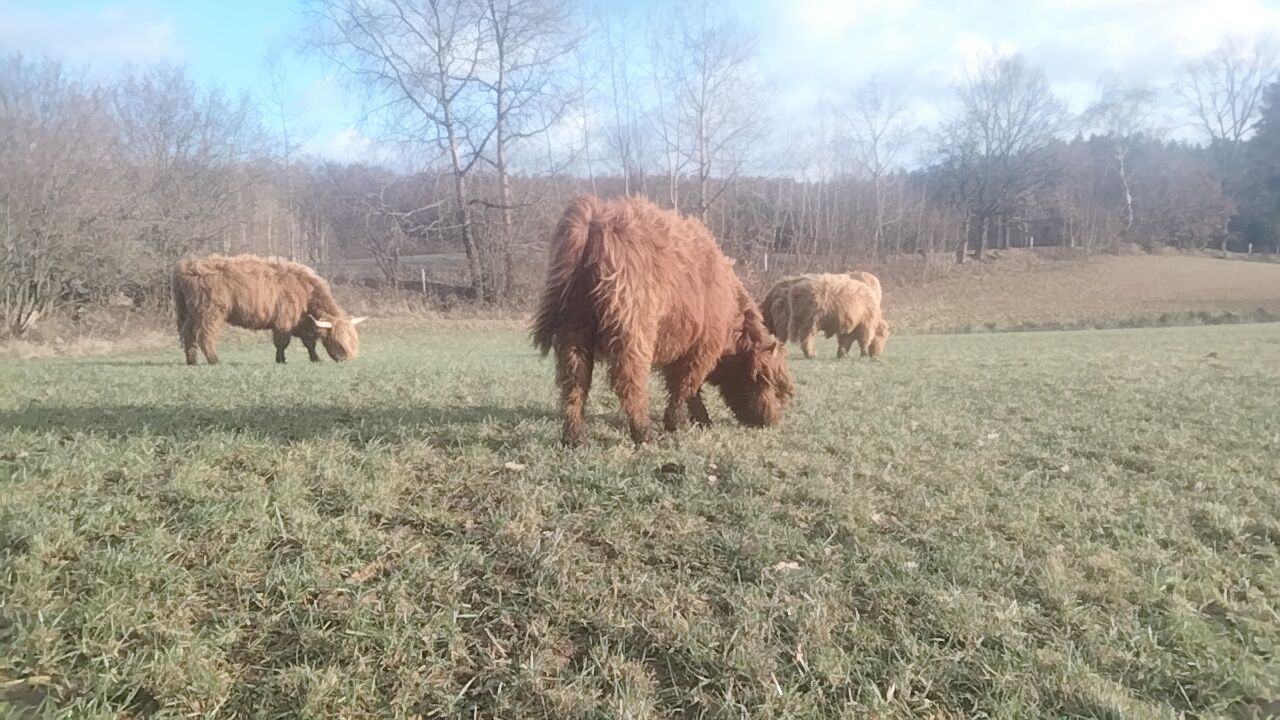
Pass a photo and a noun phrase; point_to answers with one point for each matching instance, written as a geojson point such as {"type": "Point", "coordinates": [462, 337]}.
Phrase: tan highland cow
{"type": "Point", "coordinates": [776, 307]}
{"type": "Point", "coordinates": [870, 280]}
{"type": "Point", "coordinates": [641, 287]}
{"type": "Point", "coordinates": [247, 291]}
{"type": "Point", "coordinates": [797, 308]}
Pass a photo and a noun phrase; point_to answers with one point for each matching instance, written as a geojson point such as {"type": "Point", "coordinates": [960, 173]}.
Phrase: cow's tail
{"type": "Point", "coordinates": [568, 259]}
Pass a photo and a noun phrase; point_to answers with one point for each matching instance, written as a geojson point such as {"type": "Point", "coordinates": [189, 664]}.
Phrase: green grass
{"type": "Point", "coordinates": [1049, 524]}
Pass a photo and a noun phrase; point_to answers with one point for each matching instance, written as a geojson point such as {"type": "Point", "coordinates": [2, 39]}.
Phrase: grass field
{"type": "Point", "coordinates": [1046, 524]}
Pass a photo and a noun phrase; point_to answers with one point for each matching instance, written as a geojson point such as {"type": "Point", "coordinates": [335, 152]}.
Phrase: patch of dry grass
{"type": "Point", "coordinates": [1019, 289]}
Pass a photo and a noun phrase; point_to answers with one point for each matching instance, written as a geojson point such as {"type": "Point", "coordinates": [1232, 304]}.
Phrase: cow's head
{"type": "Point", "coordinates": [753, 376]}
{"type": "Point", "coordinates": [338, 334]}
{"type": "Point", "coordinates": [755, 383]}
{"type": "Point", "coordinates": [881, 336]}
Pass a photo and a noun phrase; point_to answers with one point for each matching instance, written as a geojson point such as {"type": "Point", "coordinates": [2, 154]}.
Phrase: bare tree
{"type": "Point", "coordinates": [877, 121]}
{"type": "Point", "coordinates": [585, 86]}
{"type": "Point", "coordinates": [285, 138]}
{"type": "Point", "coordinates": [1123, 113]}
{"type": "Point", "coordinates": [993, 143]}
{"type": "Point", "coordinates": [56, 152]}
{"type": "Point", "coordinates": [185, 151]}
{"type": "Point", "coordinates": [710, 74]}
{"type": "Point", "coordinates": [669, 128]}
{"type": "Point", "coordinates": [527, 42]}
{"type": "Point", "coordinates": [1223, 92]}
{"type": "Point", "coordinates": [420, 63]}
{"type": "Point", "coordinates": [626, 137]}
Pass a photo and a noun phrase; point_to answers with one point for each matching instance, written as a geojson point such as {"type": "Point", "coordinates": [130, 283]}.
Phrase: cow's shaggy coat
{"type": "Point", "coordinates": [642, 287]}
{"type": "Point", "coordinates": [872, 281]}
{"type": "Point", "coordinates": [247, 291]}
{"type": "Point", "coordinates": [776, 307]}
{"type": "Point", "coordinates": [797, 308]}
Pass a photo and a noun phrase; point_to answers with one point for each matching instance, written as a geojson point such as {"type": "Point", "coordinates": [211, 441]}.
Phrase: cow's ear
{"type": "Point", "coordinates": [358, 320]}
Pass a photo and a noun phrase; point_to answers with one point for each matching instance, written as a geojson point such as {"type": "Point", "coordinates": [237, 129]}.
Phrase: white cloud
{"type": "Point", "coordinates": [824, 48]}
{"type": "Point", "coordinates": [346, 145]}
{"type": "Point", "coordinates": [98, 38]}
{"type": "Point", "coordinates": [322, 93]}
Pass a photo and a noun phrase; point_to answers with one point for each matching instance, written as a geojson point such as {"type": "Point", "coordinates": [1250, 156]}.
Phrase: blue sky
{"type": "Point", "coordinates": [812, 51]}
{"type": "Point", "coordinates": [224, 43]}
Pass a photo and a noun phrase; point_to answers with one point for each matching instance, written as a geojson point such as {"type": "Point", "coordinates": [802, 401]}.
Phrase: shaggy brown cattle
{"type": "Point", "coordinates": [642, 287]}
{"type": "Point", "coordinates": [273, 294]}
{"type": "Point", "coordinates": [799, 307]}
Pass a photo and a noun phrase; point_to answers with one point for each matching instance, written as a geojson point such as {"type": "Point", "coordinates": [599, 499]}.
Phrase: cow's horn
{"type": "Point", "coordinates": [323, 324]}
{"type": "Point", "coordinates": [357, 321]}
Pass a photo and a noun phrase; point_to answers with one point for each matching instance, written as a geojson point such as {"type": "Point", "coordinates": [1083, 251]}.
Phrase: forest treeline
{"type": "Point", "coordinates": [490, 114]}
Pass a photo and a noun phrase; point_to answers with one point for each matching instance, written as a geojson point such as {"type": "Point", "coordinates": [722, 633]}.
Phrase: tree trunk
{"type": "Point", "coordinates": [462, 213]}
{"type": "Point", "coordinates": [1128, 199]}
{"type": "Point", "coordinates": [504, 192]}
{"type": "Point", "coordinates": [983, 229]}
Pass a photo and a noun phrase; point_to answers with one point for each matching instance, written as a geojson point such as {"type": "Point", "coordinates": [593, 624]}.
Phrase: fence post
{"type": "Point", "coordinates": [424, 280]}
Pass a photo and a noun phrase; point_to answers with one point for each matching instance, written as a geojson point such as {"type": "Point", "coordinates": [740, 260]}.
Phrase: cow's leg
{"type": "Point", "coordinates": [804, 328]}
{"type": "Point", "coordinates": [574, 363]}
{"type": "Point", "coordinates": [309, 342]}
{"type": "Point", "coordinates": [698, 410]}
{"type": "Point", "coordinates": [629, 376]}
{"type": "Point", "coordinates": [189, 344]}
{"type": "Point", "coordinates": [806, 342]}
{"type": "Point", "coordinates": [845, 341]}
{"type": "Point", "coordinates": [207, 333]}
{"type": "Point", "coordinates": [281, 339]}
{"type": "Point", "coordinates": [676, 416]}
{"type": "Point", "coordinates": [684, 380]}
{"type": "Point", "coordinates": [863, 334]}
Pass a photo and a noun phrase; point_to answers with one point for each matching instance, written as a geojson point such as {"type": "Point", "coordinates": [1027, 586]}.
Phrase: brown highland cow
{"type": "Point", "coordinates": [798, 307]}
{"type": "Point", "coordinates": [273, 294]}
{"type": "Point", "coordinates": [643, 287]}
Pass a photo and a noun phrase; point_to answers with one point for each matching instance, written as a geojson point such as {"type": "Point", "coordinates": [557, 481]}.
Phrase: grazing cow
{"type": "Point", "coordinates": [872, 281]}
{"type": "Point", "coordinates": [273, 294]}
{"type": "Point", "coordinates": [642, 287]}
{"type": "Point", "coordinates": [801, 306]}
{"type": "Point", "coordinates": [776, 307]}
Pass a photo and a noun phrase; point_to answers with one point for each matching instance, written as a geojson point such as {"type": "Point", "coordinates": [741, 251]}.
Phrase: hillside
{"type": "Point", "coordinates": [1025, 289]}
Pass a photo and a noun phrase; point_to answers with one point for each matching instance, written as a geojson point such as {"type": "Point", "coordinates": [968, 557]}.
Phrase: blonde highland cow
{"type": "Point", "coordinates": [247, 291]}
{"type": "Point", "coordinates": [844, 305]}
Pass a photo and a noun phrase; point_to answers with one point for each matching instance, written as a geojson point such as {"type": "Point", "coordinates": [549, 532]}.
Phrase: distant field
{"type": "Point", "coordinates": [1081, 524]}
{"type": "Point", "coordinates": [1023, 289]}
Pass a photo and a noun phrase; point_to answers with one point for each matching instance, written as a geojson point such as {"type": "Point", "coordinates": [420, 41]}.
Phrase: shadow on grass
{"type": "Point", "coordinates": [360, 425]}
